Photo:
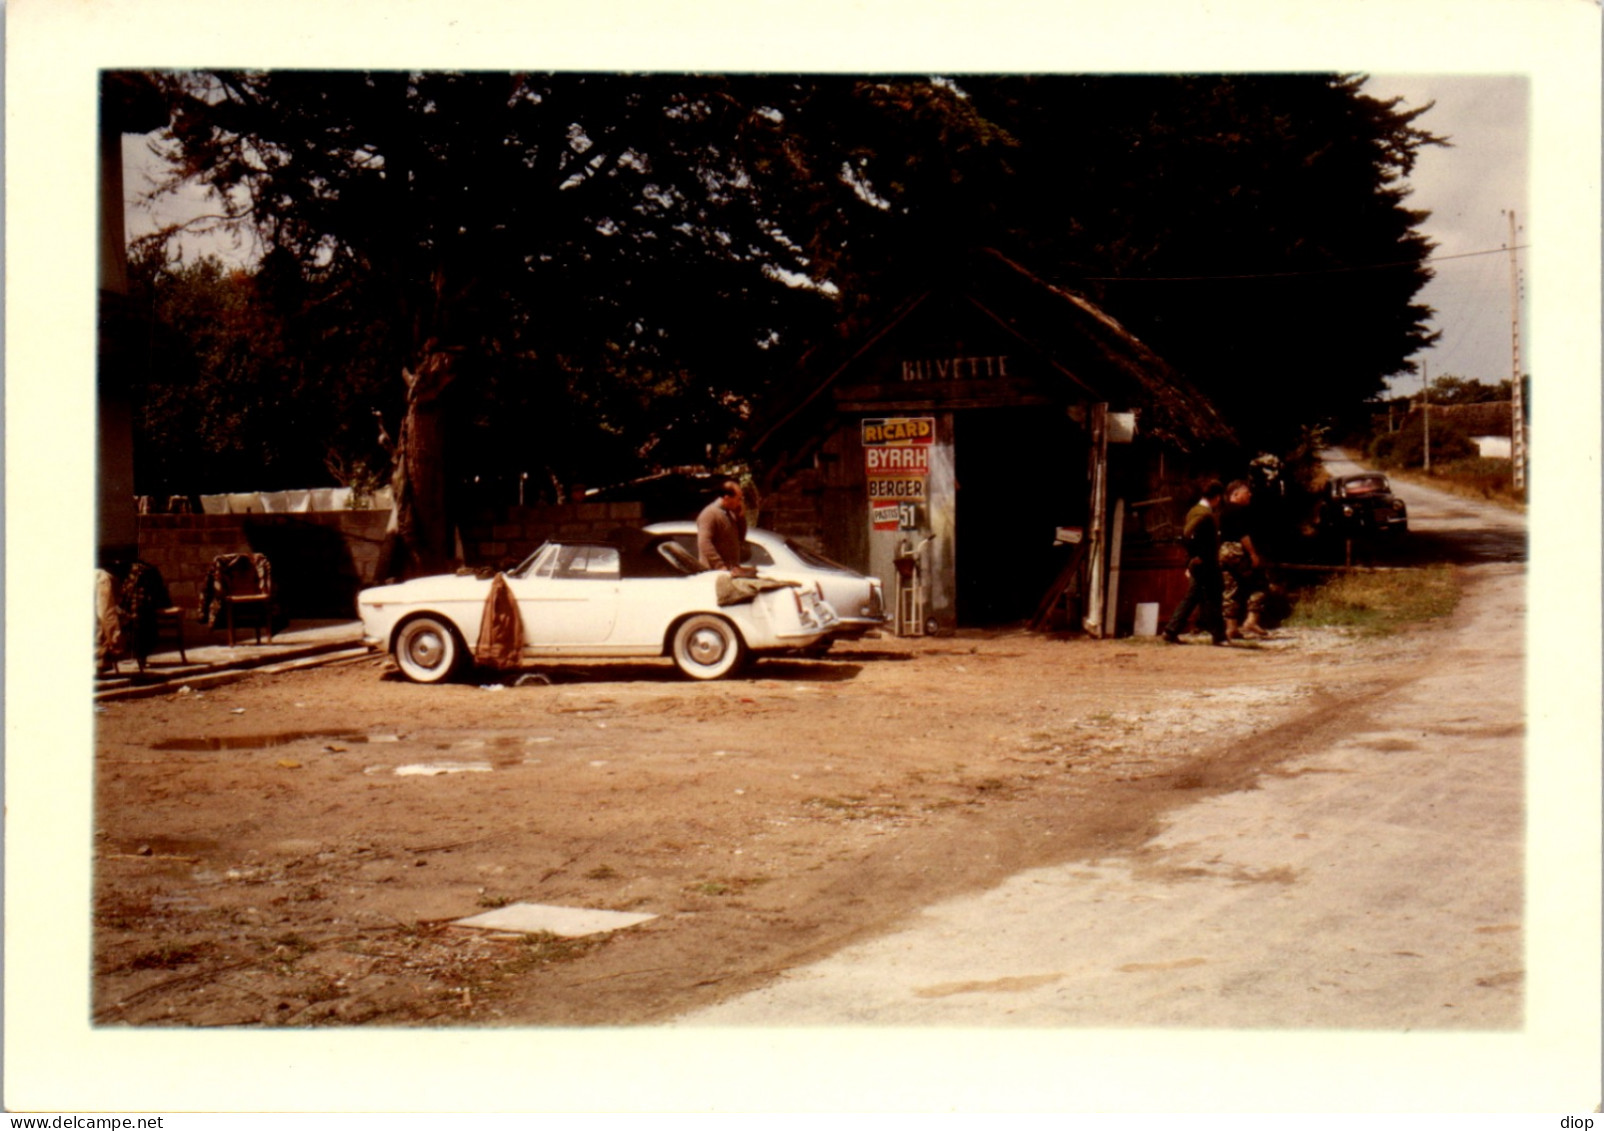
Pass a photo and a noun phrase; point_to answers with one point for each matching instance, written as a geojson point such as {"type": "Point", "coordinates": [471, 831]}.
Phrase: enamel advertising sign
{"type": "Point", "coordinates": [896, 452]}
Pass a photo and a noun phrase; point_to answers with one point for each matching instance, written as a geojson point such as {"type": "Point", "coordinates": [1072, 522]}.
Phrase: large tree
{"type": "Point", "coordinates": [496, 240]}
{"type": "Point", "coordinates": [591, 273]}
{"type": "Point", "coordinates": [1252, 229]}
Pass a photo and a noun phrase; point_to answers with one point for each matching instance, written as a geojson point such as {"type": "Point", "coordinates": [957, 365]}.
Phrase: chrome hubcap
{"type": "Point", "coordinates": [706, 646]}
{"type": "Point", "coordinates": [425, 649]}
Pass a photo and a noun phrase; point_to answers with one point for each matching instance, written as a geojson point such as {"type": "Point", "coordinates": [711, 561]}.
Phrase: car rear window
{"type": "Point", "coordinates": [1366, 486]}
{"type": "Point", "coordinates": [817, 560]}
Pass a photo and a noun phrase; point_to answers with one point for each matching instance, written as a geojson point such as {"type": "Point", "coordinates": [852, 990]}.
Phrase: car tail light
{"type": "Point", "coordinates": [804, 611]}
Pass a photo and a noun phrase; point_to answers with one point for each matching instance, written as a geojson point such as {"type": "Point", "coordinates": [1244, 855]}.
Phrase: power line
{"type": "Point", "coordinates": [1296, 274]}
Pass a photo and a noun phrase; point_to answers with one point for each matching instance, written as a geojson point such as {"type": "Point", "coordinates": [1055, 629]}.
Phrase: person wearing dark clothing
{"type": "Point", "coordinates": [721, 532]}
{"type": "Point", "coordinates": [1241, 565]}
{"type": "Point", "coordinates": [1201, 536]}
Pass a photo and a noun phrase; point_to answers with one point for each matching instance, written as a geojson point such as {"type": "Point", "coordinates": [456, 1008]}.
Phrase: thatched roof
{"type": "Point", "coordinates": [1081, 344]}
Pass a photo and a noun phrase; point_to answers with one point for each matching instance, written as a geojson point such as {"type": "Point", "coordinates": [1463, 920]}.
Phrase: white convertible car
{"type": "Point", "coordinates": [635, 595]}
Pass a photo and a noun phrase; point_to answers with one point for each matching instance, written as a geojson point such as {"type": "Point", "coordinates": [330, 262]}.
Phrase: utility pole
{"type": "Point", "coordinates": [1425, 407]}
{"type": "Point", "coordinates": [1517, 425]}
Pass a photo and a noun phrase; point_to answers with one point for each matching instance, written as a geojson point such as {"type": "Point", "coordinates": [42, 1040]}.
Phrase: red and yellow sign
{"type": "Point", "coordinates": [899, 430]}
{"type": "Point", "coordinates": [896, 453]}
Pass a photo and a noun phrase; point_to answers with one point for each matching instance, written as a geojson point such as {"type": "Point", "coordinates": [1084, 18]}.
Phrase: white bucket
{"type": "Point", "coordinates": [1146, 619]}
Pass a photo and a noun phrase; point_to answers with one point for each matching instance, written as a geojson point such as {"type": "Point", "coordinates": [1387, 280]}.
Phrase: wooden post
{"type": "Point", "coordinates": [1116, 539]}
{"type": "Point", "coordinates": [1093, 622]}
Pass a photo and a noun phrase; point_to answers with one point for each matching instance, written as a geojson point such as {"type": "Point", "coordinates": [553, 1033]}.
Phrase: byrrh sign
{"type": "Point", "coordinates": [907, 459]}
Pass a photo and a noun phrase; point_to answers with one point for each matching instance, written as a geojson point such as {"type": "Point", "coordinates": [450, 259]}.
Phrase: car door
{"type": "Point", "coordinates": [572, 599]}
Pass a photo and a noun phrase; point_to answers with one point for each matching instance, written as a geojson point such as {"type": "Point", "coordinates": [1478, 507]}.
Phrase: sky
{"type": "Point", "coordinates": [1469, 187]}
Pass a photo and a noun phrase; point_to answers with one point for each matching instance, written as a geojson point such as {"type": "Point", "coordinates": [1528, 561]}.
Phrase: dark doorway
{"type": "Point", "coordinates": [1021, 474]}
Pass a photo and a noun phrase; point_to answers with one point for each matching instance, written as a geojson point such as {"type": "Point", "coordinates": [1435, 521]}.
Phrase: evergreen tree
{"type": "Point", "coordinates": [596, 274]}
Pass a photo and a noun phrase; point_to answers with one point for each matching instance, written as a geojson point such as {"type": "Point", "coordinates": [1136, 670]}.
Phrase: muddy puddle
{"type": "Point", "coordinates": [264, 741]}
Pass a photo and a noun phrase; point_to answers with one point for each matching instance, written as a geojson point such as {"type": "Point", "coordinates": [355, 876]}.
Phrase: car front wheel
{"type": "Point", "coordinates": [707, 647]}
{"type": "Point", "coordinates": [427, 650]}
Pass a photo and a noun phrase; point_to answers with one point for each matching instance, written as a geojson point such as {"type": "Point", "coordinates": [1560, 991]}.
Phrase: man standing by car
{"type": "Point", "coordinates": [721, 531]}
{"type": "Point", "coordinates": [1201, 536]}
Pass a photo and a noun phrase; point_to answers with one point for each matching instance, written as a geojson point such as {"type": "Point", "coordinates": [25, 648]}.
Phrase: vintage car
{"type": "Point", "coordinates": [857, 600]}
{"type": "Point", "coordinates": [634, 594]}
{"type": "Point", "coordinates": [1362, 505]}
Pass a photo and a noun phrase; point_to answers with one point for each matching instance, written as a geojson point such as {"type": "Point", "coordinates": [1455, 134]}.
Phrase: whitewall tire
{"type": "Point", "coordinates": [428, 650]}
{"type": "Point", "coordinates": [707, 647]}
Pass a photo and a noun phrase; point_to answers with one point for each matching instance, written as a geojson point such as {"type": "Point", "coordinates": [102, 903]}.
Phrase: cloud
{"type": "Point", "coordinates": [1469, 187]}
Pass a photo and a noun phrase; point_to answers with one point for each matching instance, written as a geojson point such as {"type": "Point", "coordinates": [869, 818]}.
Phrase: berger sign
{"type": "Point", "coordinates": [898, 487]}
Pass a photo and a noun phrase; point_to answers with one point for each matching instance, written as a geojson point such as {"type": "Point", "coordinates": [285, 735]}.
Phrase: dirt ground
{"type": "Point", "coordinates": [293, 849]}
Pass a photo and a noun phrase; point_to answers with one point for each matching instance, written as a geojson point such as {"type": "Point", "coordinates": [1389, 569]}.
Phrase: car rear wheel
{"type": "Point", "coordinates": [427, 650]}
{"type": "Point", "coordinates": [707, 647]}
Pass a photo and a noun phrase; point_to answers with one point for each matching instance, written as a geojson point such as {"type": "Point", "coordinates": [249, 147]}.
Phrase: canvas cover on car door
{"type": "Point", "coordinates": [501, 630]}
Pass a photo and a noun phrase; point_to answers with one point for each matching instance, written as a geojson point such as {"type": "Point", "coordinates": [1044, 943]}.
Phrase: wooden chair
{"type": "Point", "coordinates": [243, 580]}
{"type": "Point", "coordinates": [170, 617]}
{"type": "Point", "coordinates": [133, 603]}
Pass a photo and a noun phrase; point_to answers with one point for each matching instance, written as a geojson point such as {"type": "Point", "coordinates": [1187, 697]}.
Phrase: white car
{"type": "Point", "coordinates": [636, 596]}
{"type": "Point", "coordinates": [858, 600]}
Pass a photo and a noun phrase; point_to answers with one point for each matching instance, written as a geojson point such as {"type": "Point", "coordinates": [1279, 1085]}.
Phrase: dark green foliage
{"type": "Point", "coordinates": [1450, 389]}
{"type": "Point", "coordinates": [229, 398]}
{"type": "Point", "coordinates": [627, 265]}
{"type": "Point", "coordinates": [1251, 229]}
{"type": "Point", "coordinates": [1407, 446]}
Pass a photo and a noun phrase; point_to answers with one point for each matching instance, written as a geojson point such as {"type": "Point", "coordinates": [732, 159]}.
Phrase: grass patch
{"type": "Point", "coordinates": [732, 885]}
{"type": "Point", "coordinates": [543, 948]}
{"type": "Point", "coordinates": [169, 957]}
{"type": "Point", "coordinates": [1375, 604]}
{"type": "Point", "coordinates": [1471, 477]}
{"type": "Point", "coordinates": [1490, 480]}
{"type": "Point", "coordinates": [852, 808]}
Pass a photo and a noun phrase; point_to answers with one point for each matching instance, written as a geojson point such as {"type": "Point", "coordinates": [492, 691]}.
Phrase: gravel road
{"type": "Point", "coordinates": [1371, 884]}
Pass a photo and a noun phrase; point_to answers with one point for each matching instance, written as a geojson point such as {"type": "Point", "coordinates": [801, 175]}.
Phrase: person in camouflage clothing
{"type": "Point", "coordinates": [1241, 565]}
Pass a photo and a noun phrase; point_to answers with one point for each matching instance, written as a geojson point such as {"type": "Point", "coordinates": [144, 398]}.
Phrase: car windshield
{"type": "Point", "coordinates": [526, 567]}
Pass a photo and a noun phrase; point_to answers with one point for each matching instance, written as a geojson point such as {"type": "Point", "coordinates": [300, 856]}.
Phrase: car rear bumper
{"type": "Point", "coordinates": [851, 628]}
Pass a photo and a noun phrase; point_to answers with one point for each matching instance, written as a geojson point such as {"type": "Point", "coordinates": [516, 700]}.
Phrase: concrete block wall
{"type": "Point", "coordinates": [508, 538]}
{"type": "Point", "coordinates": [796, 510]}
{"type": "Point", "coordinates": [322, 559]}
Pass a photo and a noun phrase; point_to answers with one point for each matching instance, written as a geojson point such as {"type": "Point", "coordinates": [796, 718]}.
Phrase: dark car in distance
{"type": "Point", "coordinates": [1361, 506]}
